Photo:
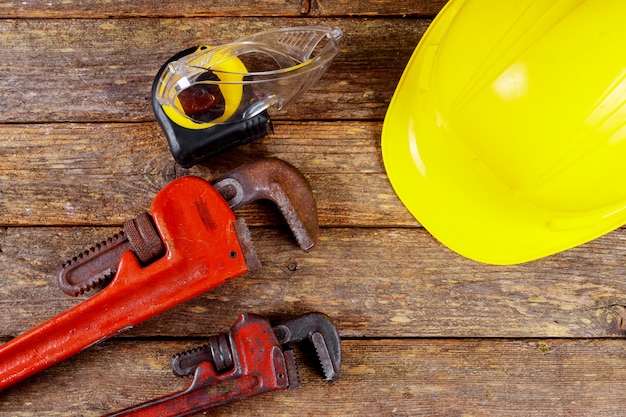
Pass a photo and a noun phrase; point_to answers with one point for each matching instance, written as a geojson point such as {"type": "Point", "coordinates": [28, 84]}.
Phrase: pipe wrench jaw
{"type": "Point", "coordinates": [281, 183]}
{"type": "Point", "coordinates": [232, 350]}
{"type": "Point", "coordinates": [318, 330]}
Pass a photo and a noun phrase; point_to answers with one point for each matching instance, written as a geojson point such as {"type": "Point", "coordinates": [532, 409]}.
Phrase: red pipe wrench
{"type": "Point", "coordinates": [250, 359]}
{"type": "Point", "coordinates": [204, 245]}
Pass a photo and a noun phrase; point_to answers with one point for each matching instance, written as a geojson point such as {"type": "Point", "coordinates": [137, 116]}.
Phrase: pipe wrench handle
{"type": "Point", "coordinates": [259, 365]}
{"type": "Point", "coordinates": [203, 250]}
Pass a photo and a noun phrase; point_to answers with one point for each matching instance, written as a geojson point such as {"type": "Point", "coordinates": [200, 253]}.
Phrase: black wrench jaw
{"type": "Point", "coordinates": [321, 333]}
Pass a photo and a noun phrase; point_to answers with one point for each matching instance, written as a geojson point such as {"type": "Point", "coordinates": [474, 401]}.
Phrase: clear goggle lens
{"type": "Point", "coordinates": [238, 80]}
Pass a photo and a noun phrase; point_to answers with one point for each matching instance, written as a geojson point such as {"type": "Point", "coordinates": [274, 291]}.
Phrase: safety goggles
{"type": "Point", "coordinates": [237, 81]}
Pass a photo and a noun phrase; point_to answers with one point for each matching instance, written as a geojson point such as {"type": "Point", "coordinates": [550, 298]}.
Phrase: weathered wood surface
{"type": "Point", "coordinates": [102, 69]}
{"type": "Point", "coordinates": [68, 174]}
{"type": "Point", "coordinates": [376, 282]}
{"type": "Point", "coordinates": [426, 332]}
{"type": "Point", "coordinates": [285, 8]}
{"type": "Point", "coordinates": [469, 377]}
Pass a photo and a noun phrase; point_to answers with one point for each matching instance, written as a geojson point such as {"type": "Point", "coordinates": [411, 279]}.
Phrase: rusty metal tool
{"type": "Point", "coordinates": [266, 179]}
{"type": "Point", "coordinates": [200, 245]}
{"type": "Point", "coordinates": [250, 359]}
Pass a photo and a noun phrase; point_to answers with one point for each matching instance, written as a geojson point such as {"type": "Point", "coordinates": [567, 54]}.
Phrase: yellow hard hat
{"type": "Point", "coordinates": [506, 136]}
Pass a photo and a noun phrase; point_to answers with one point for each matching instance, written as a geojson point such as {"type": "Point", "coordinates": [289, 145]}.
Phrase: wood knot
{"type": "Point", "coordinates": [620, 311]}
{"type": "Point", "coordinates": [545, 347]}
{"type": "Point", "coordinates": [305, 7]}
{"type": "Point", "coordinates": [308, 7]}
{"type": "Point", "coordinates": [292, 265]}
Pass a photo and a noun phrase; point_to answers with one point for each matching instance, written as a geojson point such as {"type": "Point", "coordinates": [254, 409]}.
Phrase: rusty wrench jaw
{"type": "Point", "coordinates": [281, 183]}
{"type": "Point", "coordinates": [250, 359]}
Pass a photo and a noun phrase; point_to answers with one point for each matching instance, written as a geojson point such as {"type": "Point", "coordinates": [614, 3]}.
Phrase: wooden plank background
{"type": "Point", "coordinates": [425, 331]}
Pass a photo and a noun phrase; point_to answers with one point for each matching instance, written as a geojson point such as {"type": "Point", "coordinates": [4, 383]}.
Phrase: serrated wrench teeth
{"type": "Point", "coordinates": [318, 329]}
{"type": "Point", "coordinates": [281, 183]}
{"type": "Point", "coordinates": [98, 265]}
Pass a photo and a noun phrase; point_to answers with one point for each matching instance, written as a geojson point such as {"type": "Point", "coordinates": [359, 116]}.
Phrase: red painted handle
{"type": "Point", "coordinates": [203, 251]}
{"type": "Point", "coordinates": [259, 366]}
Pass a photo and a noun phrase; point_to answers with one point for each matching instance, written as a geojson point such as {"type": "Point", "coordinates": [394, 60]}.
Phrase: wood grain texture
{"type": "Point", "coordinates": [212, 8]}
{"type": "Point", "coordinates": [101, 70]}
{"type": "Point", "coordinates": [87, 174]}
{"type": "Point", "coordinates": [448, 378]}
{"type": "Point", "coordinates": [378, 283]}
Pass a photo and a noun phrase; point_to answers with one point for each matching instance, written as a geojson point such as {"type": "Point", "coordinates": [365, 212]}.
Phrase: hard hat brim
{"type": "Point", "coordinates": [454, 194]}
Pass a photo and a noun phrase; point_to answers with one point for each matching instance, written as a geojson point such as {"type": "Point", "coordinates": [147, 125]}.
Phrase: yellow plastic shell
{"type": "Point", "coordinates": [229, 71]}
{"type": "Point", "coordinates": [506, 136]}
